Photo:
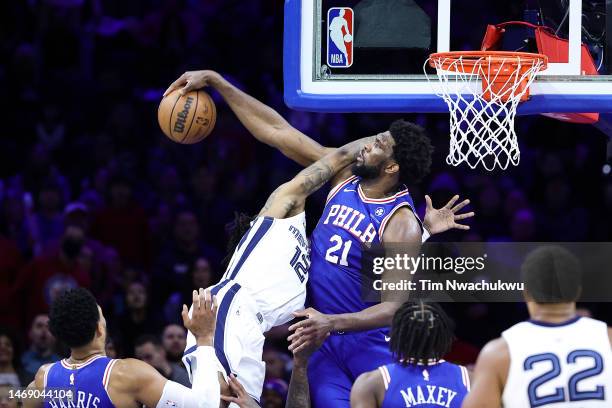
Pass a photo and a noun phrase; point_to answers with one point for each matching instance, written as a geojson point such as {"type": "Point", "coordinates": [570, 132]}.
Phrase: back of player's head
{"type": "Point", "coordinates": [420, 332]}
{"type": "Point", "coordinates": [235, 230]}
{"type": "Point", "coordinates": [552, 274]}
{"type": "Point", "coordinates": [412, 151]}
{"type": "Point", "coordinates": [74, 317]}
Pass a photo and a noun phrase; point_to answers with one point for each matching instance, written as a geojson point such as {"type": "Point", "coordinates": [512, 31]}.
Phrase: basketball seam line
{"type": "Point", "coordinates": [171, 113]}
{"type": "Point", "coordinates": [195, 112]}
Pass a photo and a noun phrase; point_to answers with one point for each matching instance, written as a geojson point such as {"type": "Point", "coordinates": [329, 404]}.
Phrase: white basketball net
{"type": "Point", "coordinates": [482, 130]}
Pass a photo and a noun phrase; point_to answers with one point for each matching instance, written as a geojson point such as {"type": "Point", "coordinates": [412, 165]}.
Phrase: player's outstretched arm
{"type": "Point", "coordinates": [135, 381]}
{"type": "Point", "coordinates": [267, 125]}
{"type": "Point", "coordinates": [288, 199]}
{"type": "Point", "coordinates": [489, 376]}
{"type": "Point", "coordinates": [366, 390]}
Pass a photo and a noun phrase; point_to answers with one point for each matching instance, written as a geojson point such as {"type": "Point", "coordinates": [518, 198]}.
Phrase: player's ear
{"type": "Point", "coordinates": [392, 167]}
{"type": "Point", "coordinates": [100, 329]}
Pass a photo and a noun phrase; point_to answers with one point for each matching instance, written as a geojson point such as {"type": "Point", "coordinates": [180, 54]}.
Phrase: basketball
{"type": "Point", "coordinates": [348, 38]}
{"type": "Point", "coordinates": [187, 119]}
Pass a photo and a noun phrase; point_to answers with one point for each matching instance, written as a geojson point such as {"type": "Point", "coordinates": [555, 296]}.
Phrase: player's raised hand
{"type": "Point", "coordinates": [192, 80]}
{"type": "Point", "coordinates": [445, 218]}
{"type": "Point", "coordinates": [315, 328]}
{"type": "Point", "coordinates": [302, 347]}
{"type": "Point", "coordinates": [203, 319]}
{"type": "Point", "coordinates": [240, 397]}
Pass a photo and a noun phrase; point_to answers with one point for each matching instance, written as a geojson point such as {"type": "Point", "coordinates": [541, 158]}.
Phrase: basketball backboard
{"type": "Point", "coordinates": [368, 55]}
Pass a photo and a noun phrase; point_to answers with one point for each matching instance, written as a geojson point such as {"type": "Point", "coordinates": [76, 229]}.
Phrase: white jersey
{"type": "Point", "coordinates": [559, 365]}
{"type": "Point", "coordinates": [271, 263]}
{"type": "Point", "coordinates": [264, 283]}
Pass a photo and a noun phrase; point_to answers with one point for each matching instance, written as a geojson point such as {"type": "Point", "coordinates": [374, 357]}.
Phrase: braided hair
{"type": "Point", "coordinates": [235, 230]}
{"type": "Point", "coordinates": [420, 332]}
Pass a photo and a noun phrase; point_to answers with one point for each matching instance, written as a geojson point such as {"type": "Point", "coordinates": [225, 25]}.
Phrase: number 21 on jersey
{"type": "Point", "coordinates": [338, 252]}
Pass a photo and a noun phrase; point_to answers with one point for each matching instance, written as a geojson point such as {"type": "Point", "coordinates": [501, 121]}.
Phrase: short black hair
{"type": "Point", "coordinates": [420, 332]}
{"type": "Point", "coordinates": [552, 274]}
{"type": "Point", "coordinates": [147, 338]}
{"type": "Point", "coordinates": [74, 317]}
{"type": "Point", "coordinates": [412, 151]}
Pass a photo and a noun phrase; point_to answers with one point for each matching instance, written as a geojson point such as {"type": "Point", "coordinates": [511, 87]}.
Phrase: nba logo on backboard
{"type": "Point", "coordinates": [340, 37]}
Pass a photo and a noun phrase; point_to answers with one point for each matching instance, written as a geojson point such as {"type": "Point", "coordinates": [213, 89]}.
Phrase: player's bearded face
{"type": "Point", "coordinates": [367, 171]}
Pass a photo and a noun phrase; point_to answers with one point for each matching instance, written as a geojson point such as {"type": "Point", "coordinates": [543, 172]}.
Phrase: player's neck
{"type": "Point", "coordinates": [378, 188]}
{"type": "Point", "coordinates": [552, 313]}
{"type": "Point", "coordinates": [82, 354]}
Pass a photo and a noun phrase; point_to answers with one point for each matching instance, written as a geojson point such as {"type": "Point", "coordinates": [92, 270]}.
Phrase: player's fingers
{"type": "Point", "coordinates": [176, 84]}
{"type": "Point", "coordinates": [461, 226]}
{"type": "Point", "coordinates": [464, 216]}
{"type": "Point", "coordinates": [302, 347]}
{"type": "Point", "coordinates": [460, 205]}
{"type": "Point", "coordinates": [295, 344]}
{"type": "Point", "coordinates": [230, 399]}
{"type": "Point", "coordinates": [189, 86]}
{"type": "Point", "coordinates": [195, 301]}
{"type": "Point", "coordinates": [428, 202]}
{"type": "Point", "coordinates": [301, 313]}
{"type": "Point", "coordinates": [236, 385]}
{"type": "Point", "coordinates": [205, 294]}
{"type": "Point", "coordinates": [301, 324]}
{"type": "Point", "coordinates": [197, 304]}
{"type": "Point", "coordinates": [301, 332]}
{"type": "Point", "coordinates": [215, 305]}
{"type": "Point", "coordinates": [451, 202]}
{"type": "Point", "coordinates": [185, 315]}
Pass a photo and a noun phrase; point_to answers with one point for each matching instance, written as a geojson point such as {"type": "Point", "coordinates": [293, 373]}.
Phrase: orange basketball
{"type": "Point", "coordinates": [187, 119]}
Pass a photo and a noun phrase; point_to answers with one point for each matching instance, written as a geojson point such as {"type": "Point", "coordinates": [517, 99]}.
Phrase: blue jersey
{"type": "Point", "coordinates": [88, 381]}
{"type": "Point", "coordinates": [426, 386]}
{"type": "Point", "coordinates": [349, 220]}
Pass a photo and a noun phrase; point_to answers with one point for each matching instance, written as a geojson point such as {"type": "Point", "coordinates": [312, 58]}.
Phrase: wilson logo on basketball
{"type": "Point", "coordinates": [188, 118]}
{"type": "Point", "coordinates": [181, 117]}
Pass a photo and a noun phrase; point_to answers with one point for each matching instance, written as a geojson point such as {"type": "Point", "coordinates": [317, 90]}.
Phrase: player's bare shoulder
{"type": "Point", "coordinates": [368, 390]}
{"type": "Point", "coordinates": [128, 380]}
{"type": "Point", "coordinates": [495, 355]}
{"type": "Point", "coordinates": [403, 226]}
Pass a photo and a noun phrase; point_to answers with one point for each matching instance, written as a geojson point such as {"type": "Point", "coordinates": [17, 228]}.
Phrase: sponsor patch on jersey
{"type": "Point", "coordinates": [340, 37]}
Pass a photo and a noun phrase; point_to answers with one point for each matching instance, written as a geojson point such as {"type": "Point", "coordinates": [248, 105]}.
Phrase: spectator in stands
{"type": "Point", "coordinates": [174, 339]}
{"type": "Point", "coordinates": [123, 224]}
{"type": "Point", "coordinates": [51, 273]}
{"type": "Point", "coordinates": [138, 318]}
{"type": "Point", "coordinates": [10, 263]}
{"type": "Point", "coordinates": [174, 265]}
{"type": "Point", "coordinates": [276, 363]}
{"type": "Point", "coordinates": [149, 349]}
{"type": "Point", "coordinates": [10, 368]}
{"type": "Point", "coordinates": [48, 219]}
{"type": "Point", "coordinates": [274, 393]}
{"type": "Point", "coordinates": [201, 276]}
{"type": "Point", "coordinates": [103, 276]}
{"type": "Point", "coordinates": [42, 346]}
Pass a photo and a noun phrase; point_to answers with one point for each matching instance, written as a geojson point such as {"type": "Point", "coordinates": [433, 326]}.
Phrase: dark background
{"type": "Point", "coordinates": [80, 81]}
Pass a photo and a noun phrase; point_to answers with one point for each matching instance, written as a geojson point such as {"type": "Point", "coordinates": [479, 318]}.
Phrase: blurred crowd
{"type": "Point", "coordinates": [92, 194]}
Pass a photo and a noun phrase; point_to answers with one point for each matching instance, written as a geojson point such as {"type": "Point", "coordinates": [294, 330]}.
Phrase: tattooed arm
{"type": "Point", "coordinates": [289, 198]}
{"type": "Point", "coordinates": [299, 394]}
